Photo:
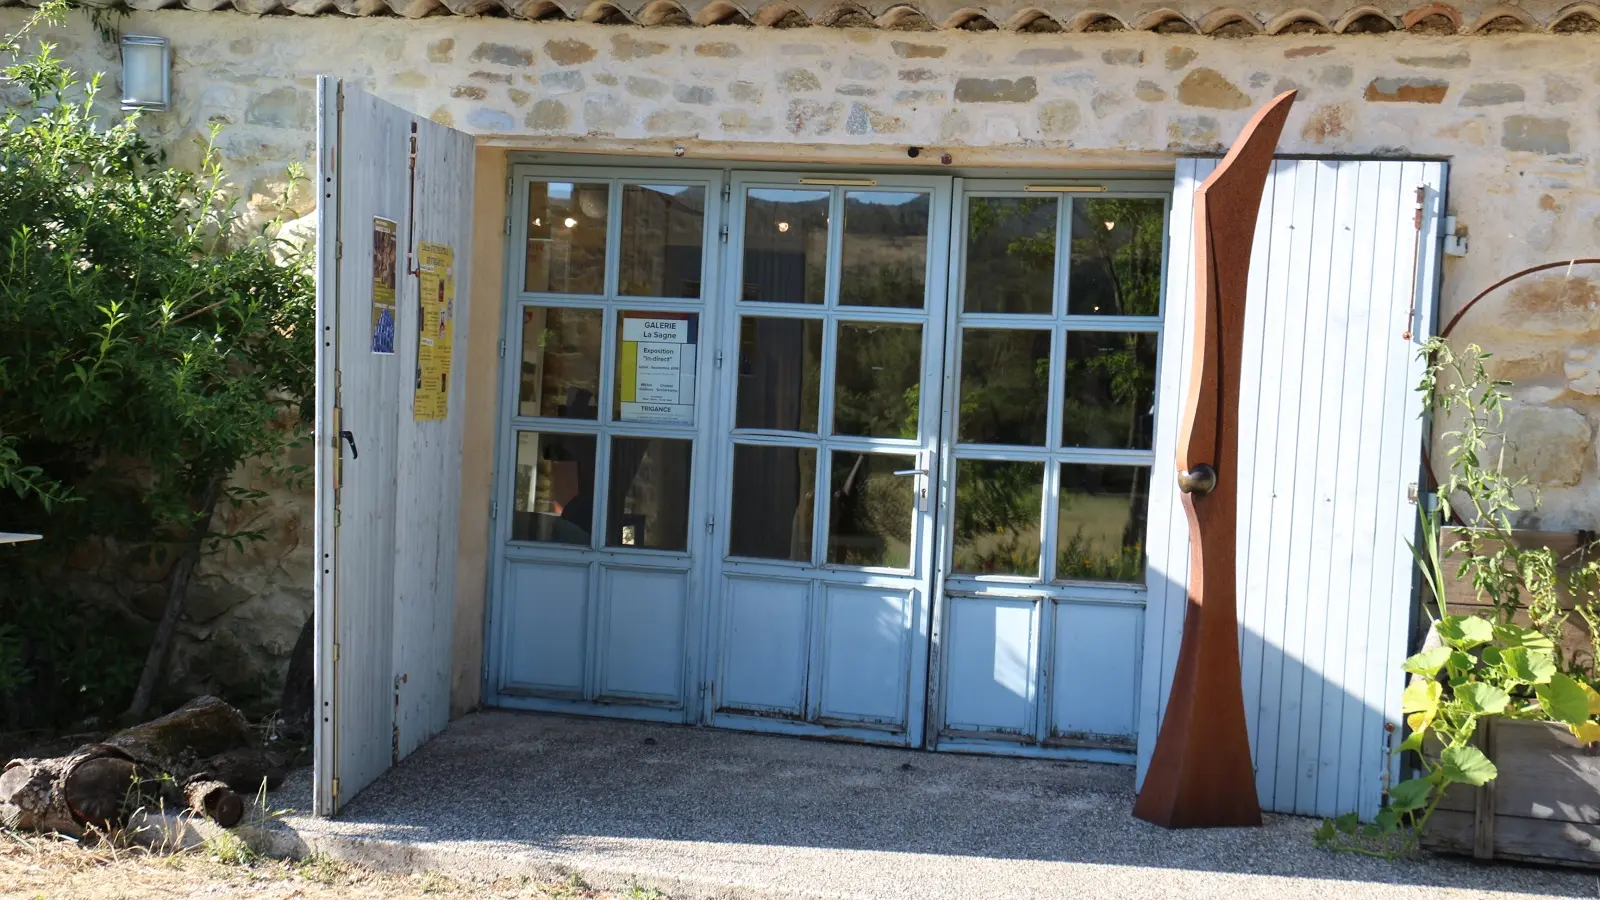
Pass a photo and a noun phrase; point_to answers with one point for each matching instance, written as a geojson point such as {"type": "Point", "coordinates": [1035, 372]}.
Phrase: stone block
{"type": "Point", "coordinates": [1493, 94]}
{"type": "Point", "coordinates": [1123, 56]}
{"type": "Point", "coordinates": [1406, 90]}
{"type": "Point", "coordinates": [1548, 444]}
{"type": "Point", "coordinates": [1059, 117]}
{"type": "Point", "coordinates": [745, 92]}
{"type": "Point", "coordinates": [1582, 369]}
{"type": "Point", "coordinates": [1329, 122]}
{"type": "Point", "coordinates": [442, 51]}
{"type": "Point", "coordinates": [501, 55]}
{"type": "Point", "coordinates": [1046, 56]}
{"type": "Point", "coordinates": [1193, 133]}
{"type": "Point", "coordinates": [1149, 92]}
{"type": "Point", "coordinates": [1532, 134]}
{"type": "Point", "coordinates": [863, 69]}
{"type": "Point", "coordinates": [720, 49]}
{"type": "Point", "coordinates": [1457, 60]}
{"type": "Point", "coordinates": [812, 117]}
{"type": "Point", "coordinates": [648, 88]}
{"type": "Point", "coordinates": [468, 92]}
{"type": "Point", "coordinates": [1178, 57]}
{"type": "Point", "coordinates": [996, 90]}
{"type": "Point", "coordinates": [623, 47]}
{"type": "Point", "coordinates": [695, 95]}
{"type": "Point", "coordinates": [548, 116]}
{"type": "Point", "coordinates": [917, 76]}
{"type": "Point", "coordinates": [798, 81]}
{"type": "Point", "coordinates": [1207, 88]}
{"type": "Point", "coordinates": [556, 83]}
{"type": "Point", "coordinates": [606, 114]}
{"type": "Point", "coordinates": [568, 52]}
{"type": "Point", "coordinates": [674, 122]}
{"type": "Point", "coordinates": [284, 107]}
{"type": "Point", "coordinates": [908, 50]}
{"type": "Point", "coordinates": [1304, 52]}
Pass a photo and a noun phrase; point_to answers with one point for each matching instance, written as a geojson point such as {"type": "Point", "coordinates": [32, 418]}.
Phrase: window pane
{"type": "Point", "coordinates": [649, 494]}
{"type": "Point", "coordinates": [1100, 530]}
{"type": "Point", "coordinates": [774, 498]}
{"type": "Point", "coordinates": [655, 363]}
{"type": "Point", "coordinates": [877, 379]}
{"type": "Point", "coordinates": [869, 512]}
{"type": "Point", "coordinates": [1110, 390]}
{"type": "Point", "coordinates": [560, 362]}
{"type": "Point", "coordinates": [997, 517]}
{"type": "Point", "coordinates": [1116, 258]}
{"type": "Point", "coordinates": [663, 236]}
{"type": "Point", "coordinates": [1005, 386]}
{"type": "Point", "coordinates": [554, 499]}
{"type": "Point", "coordinates": [567, 237]}
{"type": "Point", "coordinates": [1011, 255]}
{"type": "Point", "coordinates": [780, 373]}
{"type": "Point", "coordinates": [884, 258]}
{"type": "Point", "coordinates": [785, 246]}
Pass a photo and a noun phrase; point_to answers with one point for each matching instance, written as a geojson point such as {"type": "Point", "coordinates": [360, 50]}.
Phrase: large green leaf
{"type": "Point", "coordinates": [1482, 699]}
{"type": "Point", "coordinates": [1517, 636]}
{"type": "Point", "coordinates": [1421, 696]}
{"type": "Point", "coordinates": [1563, 700]}
{"type": "Point", "coordinates": [1428, 662]}
{"type": "Point", "coordinates": [1409, 795]}
{"type": "Point", "coordinates": [1464, 632]}
{"type": "Point", "coordinates": [1528, 665]}
{"type": "Point", "coordinates": [1467, 765]}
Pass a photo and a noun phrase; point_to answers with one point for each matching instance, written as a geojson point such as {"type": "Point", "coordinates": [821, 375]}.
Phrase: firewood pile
{"type": "Point", "coordinates": [204, 757]}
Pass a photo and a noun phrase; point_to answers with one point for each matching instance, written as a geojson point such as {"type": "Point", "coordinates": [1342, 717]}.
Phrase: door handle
{"type": "Point", "coordinates": [921, 488]}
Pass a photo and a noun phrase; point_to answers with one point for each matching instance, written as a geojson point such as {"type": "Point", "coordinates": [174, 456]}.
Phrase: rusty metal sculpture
{"type": "Point", "coordinates": [1201, 775]}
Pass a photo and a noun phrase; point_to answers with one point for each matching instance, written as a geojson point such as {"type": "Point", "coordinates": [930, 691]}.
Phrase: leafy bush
{"type": "Point", "coordinates": [1474, 668]}
{"type": "Point", "coordinates": [149, 343]}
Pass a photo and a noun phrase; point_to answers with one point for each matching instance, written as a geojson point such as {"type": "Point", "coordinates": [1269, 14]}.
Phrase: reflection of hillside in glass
{"type": "Point", "coordinates": [1005, 386]}
{"type": "Point", "coordinates": [785, 246]}
{"type": "Point", "coordinates": [663, 233]}
{"type": "Point", "coordinates": [997, 517]}
{"type": "Point", "coordinates": [884, 255]}
{"type": "Point", "coordinates": [1101, 525]}
{"type": "Point", "coordinates": [1110, 390]}
{"type": "Point", "coordinates": [1011, 255]}
{"type": "Point", "coordinates": [1116, 257]}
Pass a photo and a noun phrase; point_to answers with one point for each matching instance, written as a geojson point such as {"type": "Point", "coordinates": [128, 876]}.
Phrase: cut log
{"type": "Point", "coordinates": [201, 757]}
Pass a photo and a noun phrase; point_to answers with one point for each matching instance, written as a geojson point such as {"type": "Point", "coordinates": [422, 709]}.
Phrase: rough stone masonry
{"type": "Point", "coordinates": [1515, 114]}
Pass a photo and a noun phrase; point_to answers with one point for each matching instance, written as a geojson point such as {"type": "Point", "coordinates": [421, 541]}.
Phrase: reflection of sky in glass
{"type": "Point", "coordinates": [561, 190]}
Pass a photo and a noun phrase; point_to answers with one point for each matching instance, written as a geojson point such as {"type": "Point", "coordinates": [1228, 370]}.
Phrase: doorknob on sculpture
{"type": "Point", "coordinates": [1200, 480]}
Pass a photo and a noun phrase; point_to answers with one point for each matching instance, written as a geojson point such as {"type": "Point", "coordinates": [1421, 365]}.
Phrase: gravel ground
{"type": "Point", "coordinates": [700, 812]}
{"type": "Point", "coordinates": [38, 868]}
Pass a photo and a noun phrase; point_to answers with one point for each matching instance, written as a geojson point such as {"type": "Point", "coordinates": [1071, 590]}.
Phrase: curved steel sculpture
{"type": "Point", "coordinates": [1201, 775]}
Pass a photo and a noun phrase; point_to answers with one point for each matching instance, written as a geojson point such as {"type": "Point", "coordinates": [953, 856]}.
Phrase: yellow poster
{"type": "Point", "coordinates": [436, 331]}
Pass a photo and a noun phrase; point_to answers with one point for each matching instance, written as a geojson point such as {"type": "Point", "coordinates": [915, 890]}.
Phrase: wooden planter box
{"type": "Point", "coordinates": [1543, 808]}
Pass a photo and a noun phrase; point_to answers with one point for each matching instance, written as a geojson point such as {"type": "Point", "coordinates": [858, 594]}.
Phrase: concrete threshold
{"type": "Point", "coordinates": [701, 813]}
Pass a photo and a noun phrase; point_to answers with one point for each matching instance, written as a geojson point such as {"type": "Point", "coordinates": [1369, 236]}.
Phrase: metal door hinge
{"type": "Point", "coordinates": [502, 348]}
{"type": "Point", "coordinates": [339, 104]}
{"type": "Point", "coordinates": [338, 248]}
{"type": "Point", "coordinates": [719, 359]}
{"type": "Point", "coordinates": [711, 524]}
{"type": "Point", "coordinates": [494, 509]}
{"type": "Point", "coordinates": [1422, 203]}
{"type": "Point", "coordinates": [727, 192]}
{"type": "Point", "coordinates": [1411, 492]}
{"type": "Point", "coordinates": [336, 652]}
{"type": "Point", "coordinates": [508, 226]}
{"type": "Point", "coordinates": [336, 787]}
{"type": "Point", "coordinates": [722, 234]}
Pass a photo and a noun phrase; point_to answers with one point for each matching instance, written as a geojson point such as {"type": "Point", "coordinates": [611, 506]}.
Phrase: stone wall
{"type": "Point", "coordinates": [1516, 115]}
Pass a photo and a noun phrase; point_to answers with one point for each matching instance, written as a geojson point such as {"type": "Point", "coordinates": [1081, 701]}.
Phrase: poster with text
{"type": "Point", "coordinates": [384, 259]}
{"type": "Point", "coordinates": [436, 335]}
{"type": "Point", "coordinates": [656, 362]}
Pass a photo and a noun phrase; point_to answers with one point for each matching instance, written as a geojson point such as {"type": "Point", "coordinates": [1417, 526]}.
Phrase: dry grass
{"type": "Point", "coordinates": [35, 866]}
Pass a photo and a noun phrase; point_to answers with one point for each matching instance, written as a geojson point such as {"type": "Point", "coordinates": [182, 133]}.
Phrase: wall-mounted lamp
{"type": "Point", "coordinates": [146, 73]}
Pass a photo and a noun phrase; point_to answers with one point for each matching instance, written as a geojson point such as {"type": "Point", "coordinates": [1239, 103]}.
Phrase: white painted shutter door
{"type": "Point", "coordinates": [386, 507]}
{"type": "Point", "coordinates": [1330, 438]}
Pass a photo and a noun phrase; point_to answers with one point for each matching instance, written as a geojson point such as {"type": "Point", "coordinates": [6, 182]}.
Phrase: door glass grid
{"type": "Point", "coordinates": [607, 361]}
{"type": "Point", "coordinates": [828, 410]}
{"type": "Point", "coordinates": [1057, 341]}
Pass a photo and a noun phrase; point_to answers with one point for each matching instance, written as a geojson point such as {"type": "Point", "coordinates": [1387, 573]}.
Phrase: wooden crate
{"type": "Point", "coordinates": [1461, 598]}
{"type": "Point", "coordinates": [1543, 808]}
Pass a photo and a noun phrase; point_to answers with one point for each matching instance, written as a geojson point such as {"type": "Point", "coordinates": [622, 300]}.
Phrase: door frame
{"type": "Point", "coordinates": [933, 320]}
{"type": "Point", "coordinates": [503, 553]}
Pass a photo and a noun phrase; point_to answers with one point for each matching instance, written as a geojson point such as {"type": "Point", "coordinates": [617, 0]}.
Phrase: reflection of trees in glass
{"type": "Point", "coordinates": [1011, 254]}
{"type": "Point", "coordinates": [885, 250]}
{"type": "Point", "coordinates": [878, 367]}
{"type": "Point", "coordinates": [997, 517]}
{"type": "Point", "coordinates": [1005, 386]}
{"type": "Point", "coordinates": [1116, 257]}
{"type": "Point", "coordinates": [1101, 525]}
{"type": "Point", "coordinates": [1110, 389]}
{"type": "Point", "coordinates": [870, 510]}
